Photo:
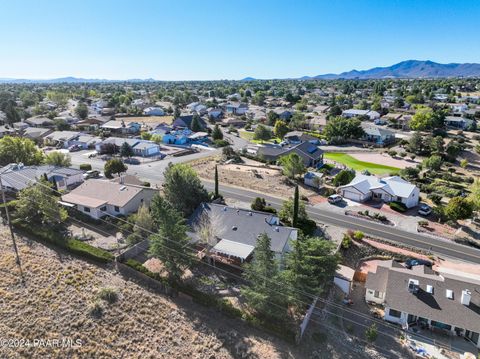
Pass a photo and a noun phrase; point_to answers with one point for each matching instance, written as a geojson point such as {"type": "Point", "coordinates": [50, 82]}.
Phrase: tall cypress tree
{"type": "Point", "coordinates": [216, 181]}
{"type": "Point", "coordinates": [296, 200]}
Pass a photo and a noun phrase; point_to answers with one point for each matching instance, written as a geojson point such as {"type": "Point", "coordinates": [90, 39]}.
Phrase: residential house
{"type": "Point", "coordinates": [215, 113]}
{"type": "Point", "coordinates": [198, 108]}
{"type": "Point", "coordinates": [460, 123]}
{"type": "Point", "coordinates": [236, 108]}
{"type": "Point", "coordinates": [233, 121]}
{"type": "Point", "coordinates": [177, 137]}
{"type": "Point", "coordinates": [39, 121]}
{"type": "Point", "coordinates": [98, 198]}
{"type": "Point", "coordinates": [378, 136]}
{"type": "Point", "coordinates": [296, 137]}
{"type": "Point", "coordinates": [36, 134]}
{"type": "Point", "coordinates": [16, 177]}
{"type": "Point", "coordinates": [153, 111]}
{"type": "Point", "coordinates": [446, 301]}
{"type": "Point", "coordinates": [185, 121]}
{"type": "Point", "coordinates": [236, 231]}
{"type": "Point", "coordinates": [372, 115]}
{"type": "Point", "coordinates": [388, 189]}
{"type": "Point", "coordinates": [283, 113]}
{"type": "Point", "coordinates": [146, 148]}
{"type": "Point", "coordinates": [99, 105]}
{"type": "Point", "coordinates": [7, 130]}
{"type": "Point", "coordinates": [121, 126]}
{"type": "Point", "coordinates": [86, 141]}
{"type": "Point", "coordinates": [458, 107]}
{"type": "Point", "coordinates": [61, 139]}
{"type": "Point", "coordinates": [117, 142]}
{"type": "Point", "coordinates": [311, 155]}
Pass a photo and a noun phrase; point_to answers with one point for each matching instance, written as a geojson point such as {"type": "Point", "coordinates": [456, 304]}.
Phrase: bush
{"type": "Point", "coordinates": [146, 184]}
{"type": "Point", "coordinates": [88, 251]}
{"type": "Point", "coordinates": [423, 223]}
{"type": "Point", "coordinates": [108, 294]}
{"type": "Point", "coordinates": [398, 206]}
{"type": "Point", "coordinates": [85, 166]}
{"type": "Point", "coordinates": [358, 235]}
{"type": "Point", "coordinates": [221, 143]}
{"type": "Point", "coordinates": [343, 177]}
{"type": "Point", "coordinates": [346, 241]}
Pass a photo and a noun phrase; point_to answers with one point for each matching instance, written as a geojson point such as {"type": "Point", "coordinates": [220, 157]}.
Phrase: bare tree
{"type": "Point", "coordinates": [209, 229]}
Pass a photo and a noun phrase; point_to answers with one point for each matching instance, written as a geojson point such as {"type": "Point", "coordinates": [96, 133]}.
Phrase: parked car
{"type": "Point", "coordinates": [424, 209]}
{"type": "Point", "coordinates": [74, 148]}
{"type": "Point", "coordinates": [334, 198]}
{"type": "Point", "coordinates": [91, 174]}
{"type": "Point", "coordinates": [417, 262]}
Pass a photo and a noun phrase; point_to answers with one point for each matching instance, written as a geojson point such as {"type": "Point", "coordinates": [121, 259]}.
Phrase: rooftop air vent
{"type": "Point", "coordinates": [234, 228]}
{"type": "Point", "coordinates": [413, 286]}
{"type": "Point", "coordinates": [123, 188]}
{"type": "Point", "coordinates": [429, 288]}
{"type": "Point", "coordinates": [466, 296]}
{"type": "Point", "coordinates": [250, 214]}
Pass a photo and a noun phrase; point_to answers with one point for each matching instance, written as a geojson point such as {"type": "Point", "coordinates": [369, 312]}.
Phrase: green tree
{"type": "Point", "coordinates": [126, 150]}
{"type": "Point", "coordinates": [114, 166]}
{"type": "Point", "coordinates": [459, 208]}
{"type": "Point", "coordinates": [296, 204]}
{"type": "Point", "coordinates": [416, 144]}
{"type": "Point", "coordinates": [146, 136]}
{"type": "Point", "coordinates": [436, 145]}
{"type": "Point", "coordinates": [183, 188]}
{"type": "Point", "coordinates": [264, 281]}
{"type": "Point", "coordinates": [343, 177]}
{"type": "Point", "coordinates": [474, 196]}
{"type": "Point", "coordinates": [340, 129]}
{"type": "Point", "coordinates": [81, 110]}
{"type": "Point", "coordinates": [433, 162]}
{"type": "Point", "coordinates": [286, 213]}
{"type": "Point", "coordinates": [272, 117]}
{"type": "Point", "coordinates": [422, 119]}
{"type": "Point", "coordinates": [217, 133]}
{"type": "Point", "coordinates": [309, 267]}
{"type": "Point", "coordinates": [371, 333]}
{"type": "Point", "coordinates": [298, 121]}
{"type": "Point", "coordinates": [56, 158]}
{"type": "Point", "coordinates": [36, 204]}
{"type": "Point", "coordinates": [216, 182]}
{"type": "Point", "coordinates": [143, 225]}
{"type": "Point", "coordinates": [195, 125]}
{"type": "Point", "coordinates": [19, 150]}
{"type": "Point", "coordinates": [453, 150]}
{"type": "Point", "coordinates": [262, 133]}
{"type": "Point", "coordinates": [171, 243]}
{"type": "Point", "coordinates": [292, 165]}
{"type": "Point", "coordinates": [280, 129]}
{"type": "Point", "coordinates": [258, 204]}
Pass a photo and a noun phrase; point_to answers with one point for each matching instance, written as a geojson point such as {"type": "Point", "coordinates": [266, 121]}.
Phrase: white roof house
{"type": "Point", "coordinates": [386, 189]}
{"type": "Point", "coordinates": [153, 111]}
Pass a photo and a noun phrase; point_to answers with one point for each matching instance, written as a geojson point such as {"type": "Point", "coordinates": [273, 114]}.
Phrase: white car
{"type": "Point", "coordinates": [424, 210]}
{"type": "Point", "coordinates": [334, 198]}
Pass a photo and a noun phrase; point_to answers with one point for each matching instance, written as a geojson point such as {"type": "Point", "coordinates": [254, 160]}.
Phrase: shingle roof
{"type": "Point", "coordinates": [394, 185]}
{"type": "Point", "coordinates": [243, 226]}
{"type": "Point", "coordinates": [96, 191]}
{"type": "Point", "coordinates": [435, 306]}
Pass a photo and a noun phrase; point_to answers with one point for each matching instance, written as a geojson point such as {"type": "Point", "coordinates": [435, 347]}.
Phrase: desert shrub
{"type": "Point", "coordinates": [423, 223]}
{"type": "Point", "coordinates": [358, 235]}
{"type": "Point", "coordinates": [221, 143]}
{"type": "Point", "coordinates": [398, 206]}
{"type": "Point", "coordinates": [85, 166]}
{"type": "Point", "coordinates": [346, 241]}
{"type": "Point", "coordinates": [108, 294]}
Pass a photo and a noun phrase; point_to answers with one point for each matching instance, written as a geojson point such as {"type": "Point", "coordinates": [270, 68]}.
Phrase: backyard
{"type": "Point", "coordinates": [358, 165]}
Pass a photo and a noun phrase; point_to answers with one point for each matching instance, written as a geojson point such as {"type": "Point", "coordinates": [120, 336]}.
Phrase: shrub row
{"type": "Point", "coordinates": [398, 206]}
{"type": "Point", "coordinates": [72, 245]}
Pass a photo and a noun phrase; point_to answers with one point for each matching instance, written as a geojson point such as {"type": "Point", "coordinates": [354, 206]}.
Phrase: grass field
{"type": "Point", "coordinates": [247, 135]}
{"type": "Point", "coordinates": [357, 165]}
{"type": "Point", "coordinates": [148, 119]}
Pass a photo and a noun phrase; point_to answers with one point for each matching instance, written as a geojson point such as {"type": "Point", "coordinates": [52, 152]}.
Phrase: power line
{"type": "Point", "coordinates": [194, 257]}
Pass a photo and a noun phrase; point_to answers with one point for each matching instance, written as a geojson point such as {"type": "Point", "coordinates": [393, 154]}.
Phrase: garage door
{"type": "Point", "coordinates": [351, 195]}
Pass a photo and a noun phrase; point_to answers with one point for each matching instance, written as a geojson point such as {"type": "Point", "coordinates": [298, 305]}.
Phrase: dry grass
{"type": "Point", "coordinates": [63, 299]}
{"type": "Point", "coordinates": [148, 119]}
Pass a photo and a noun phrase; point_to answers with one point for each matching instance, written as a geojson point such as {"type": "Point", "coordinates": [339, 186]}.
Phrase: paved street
{"type": "Point", "coordinates": [153, 172]}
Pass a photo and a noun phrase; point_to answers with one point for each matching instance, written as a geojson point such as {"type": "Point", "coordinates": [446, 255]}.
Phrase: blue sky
{"type": "Point", "coordinates": [203, 39]}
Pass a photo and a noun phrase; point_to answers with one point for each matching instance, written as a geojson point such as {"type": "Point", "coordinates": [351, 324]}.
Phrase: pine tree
{"type": "Point", "coordinates": [264, 282]}
{"type": "Point", "coordinates": [217, 133]}
{"type": "Point", "coordinates": [216, 182]}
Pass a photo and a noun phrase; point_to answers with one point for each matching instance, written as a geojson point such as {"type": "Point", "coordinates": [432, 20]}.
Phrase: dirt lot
{"type": "Point", "coordinates": [384, 160]}
{"type": "Point", "coordinates": [252, 175]}
{"type": "Point", "coordinates": [56, 303]}
{"type": "Point", "coordinates": [148, 119]}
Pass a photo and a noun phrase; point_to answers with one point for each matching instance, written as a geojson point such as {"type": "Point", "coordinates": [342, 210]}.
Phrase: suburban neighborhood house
{"type": "Point", "coordinates": [235, 231]}
{"type": "Point", "coordinates": [388, 189]}
{"type": "Point", "coordinates": [16, 177]}
{"type": "Point", "coordinates": [311, 155]}
{"type": "Point", "coordinates": [97, 198]}
{"type": "Point", "coordinates": [419, 296]}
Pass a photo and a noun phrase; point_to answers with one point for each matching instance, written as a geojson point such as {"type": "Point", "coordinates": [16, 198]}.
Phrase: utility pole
{"type": "Point", "coordinates": [11, 230]}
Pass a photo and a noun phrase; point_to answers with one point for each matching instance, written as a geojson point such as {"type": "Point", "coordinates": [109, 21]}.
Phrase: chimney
{"type": "Point", "coordinates": [466, 296]}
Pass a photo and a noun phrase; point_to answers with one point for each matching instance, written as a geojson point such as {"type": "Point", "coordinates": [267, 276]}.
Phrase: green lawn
{"type": "Point", "coordinates": [357, 165]}
{"type": "Point", "coordinates": [247, 135]}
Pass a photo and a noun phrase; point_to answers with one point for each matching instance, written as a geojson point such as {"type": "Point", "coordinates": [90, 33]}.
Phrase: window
{"type": "Point", "coordinates": [449, 294]}
{"type": "Point", "coordinates": [86, 209]}
{"type": "Point", "coordinates": [103, 209]}
{"type": "Point", "coordinates": [376, 294]}
{"type": "Point", "coordinates": [429, 289]}
{"type": "Point", "coordinates": [116, 208]}
{"type": "Point", "coordinates": [395, 313]}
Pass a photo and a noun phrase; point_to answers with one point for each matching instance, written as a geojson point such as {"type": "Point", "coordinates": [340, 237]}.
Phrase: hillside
{"type": "Point", "coordinates": [411, 69]}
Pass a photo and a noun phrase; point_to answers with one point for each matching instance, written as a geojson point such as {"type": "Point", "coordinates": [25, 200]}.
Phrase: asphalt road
{"type": "Point", "coordinates": [153, 172]}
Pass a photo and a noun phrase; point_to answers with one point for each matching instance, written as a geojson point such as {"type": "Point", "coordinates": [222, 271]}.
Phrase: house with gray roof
{"type": "Point", "coordinates": [311, 155]}
{"type": "Point", "coordinates": [445, 301]}
{"type": "Point", "coordinates": [388, 189]}
{"type": "Point", "coordinates": [39, 121]}
{"type": "Point", "coordinates": [16, 177]}
{"type": "Point", "coordinates": [377, 135]}
{"type": "Point", "coordinates": [36, 133]}
{"type": "Point", "coordinates": [235, 231]}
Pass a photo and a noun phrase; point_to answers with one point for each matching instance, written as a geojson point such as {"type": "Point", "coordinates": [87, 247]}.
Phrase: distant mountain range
{"type": "Point", "coordinates": [69, 80]}
{"type": "Point", "coordinates": [404, 69]}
